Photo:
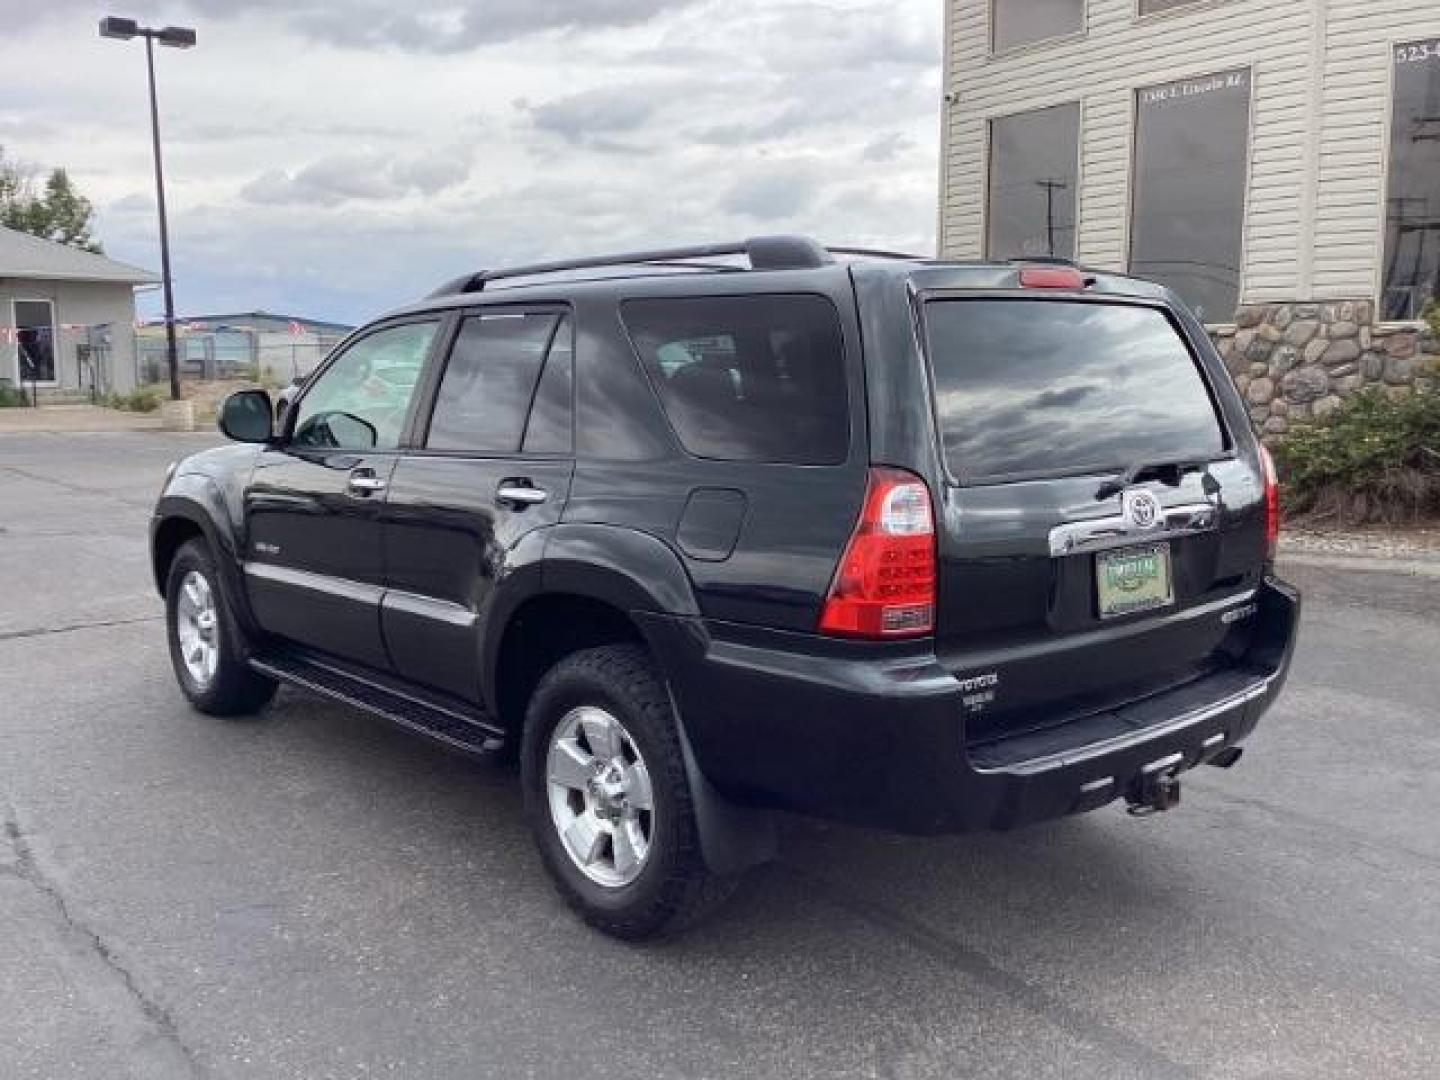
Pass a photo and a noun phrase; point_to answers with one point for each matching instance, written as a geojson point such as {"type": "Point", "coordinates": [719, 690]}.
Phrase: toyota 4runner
{"type": "Point", "coordinates": [701, 534]}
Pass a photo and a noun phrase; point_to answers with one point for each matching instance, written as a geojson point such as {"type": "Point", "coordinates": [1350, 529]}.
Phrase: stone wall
{"type": "Point", "coordinates": [1296, 362]}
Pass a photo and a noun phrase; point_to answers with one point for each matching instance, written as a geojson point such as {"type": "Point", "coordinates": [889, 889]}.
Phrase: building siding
{"type": "Point", "coordinates": [1320, 109]}
{"type": "Point", "coordinates": [97, 313]}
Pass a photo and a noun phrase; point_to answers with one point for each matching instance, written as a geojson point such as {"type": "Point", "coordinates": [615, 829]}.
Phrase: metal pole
{"type": "Point", "coordinates": [164, 227]}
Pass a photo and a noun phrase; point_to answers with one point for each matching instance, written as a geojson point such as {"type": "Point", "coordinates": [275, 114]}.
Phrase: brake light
{"type": "Point", "coordinates": [1051, 277]}
{"type": "Point", "coordinates": [884, 585]}
{"type": "Point", "coordinates": [1272, 504]}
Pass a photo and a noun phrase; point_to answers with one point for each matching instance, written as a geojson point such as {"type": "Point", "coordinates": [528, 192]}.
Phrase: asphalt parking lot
{"type": "Point", "coordinates": [317, 895]}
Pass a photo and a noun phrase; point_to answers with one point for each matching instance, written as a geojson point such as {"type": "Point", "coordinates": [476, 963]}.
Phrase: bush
{"type": "Point", "coordinates": [11, 398]}
{"type": "Point", "coordinates": [142, 399]}
{"type": "Point", "coordinates": [1374, 459]}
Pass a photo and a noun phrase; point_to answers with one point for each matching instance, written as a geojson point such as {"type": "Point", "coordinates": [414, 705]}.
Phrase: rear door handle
{"type": "Point", "coordinates": [364, 483]}
{"type": "Point", "coordinates": [520, 494]}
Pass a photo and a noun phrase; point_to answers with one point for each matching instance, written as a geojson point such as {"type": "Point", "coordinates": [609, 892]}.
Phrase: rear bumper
{"type": "Point", "coordinates": [878, 739]}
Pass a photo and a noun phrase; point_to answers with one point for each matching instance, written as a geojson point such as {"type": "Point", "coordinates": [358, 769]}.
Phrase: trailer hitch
{"type": "Point", "coordinates": [1157, 788]}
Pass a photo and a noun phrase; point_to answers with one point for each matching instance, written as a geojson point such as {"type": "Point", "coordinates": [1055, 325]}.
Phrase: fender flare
{"type": "Point", "coordinates": [196, 498]}
{"type": "Point", "coordinates": [637, 574]}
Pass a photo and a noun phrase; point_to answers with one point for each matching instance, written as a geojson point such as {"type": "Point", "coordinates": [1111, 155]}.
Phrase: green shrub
{"type": "Point", "coordinates": [1374, 459]}
{"type": "Point", "coordinates": [142, 399]}
{"type": "Point", "coordinates": [11, 398]}
{"type": "Point", "coordinates": [1431, 315]}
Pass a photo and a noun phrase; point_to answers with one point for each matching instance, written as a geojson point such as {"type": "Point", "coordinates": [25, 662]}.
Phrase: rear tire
{"type": "Point", "coordinates": [206, 647]}
{"type": "Point", "coordinates": [608, 798]}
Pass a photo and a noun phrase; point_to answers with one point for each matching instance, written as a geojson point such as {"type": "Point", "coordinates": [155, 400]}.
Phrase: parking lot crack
{"type": "Point", "coordinates": [1084, 1027]}
{"type": "Point", "coordinates": [23, 865]}
{"type": "Point", "coordinates": [98, 624]}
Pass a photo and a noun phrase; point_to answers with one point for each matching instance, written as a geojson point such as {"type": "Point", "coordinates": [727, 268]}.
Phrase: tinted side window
{"type": "Point", "coordinates": [549, 430]}
{"type": "Point", "coordinates": [1040, 387]}
{"type": "Point", "coordinates": [484, 395]}
{"type": "Point", "coordinates": [361, 400]}
{"type": "Point", "coordinates": [748, 378]}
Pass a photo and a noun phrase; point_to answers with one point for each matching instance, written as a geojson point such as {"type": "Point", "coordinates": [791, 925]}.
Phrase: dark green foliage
{"type": "Point", "coordinates": [1375, 459]}
{"type": "Point", "coordinates": [55, 212]}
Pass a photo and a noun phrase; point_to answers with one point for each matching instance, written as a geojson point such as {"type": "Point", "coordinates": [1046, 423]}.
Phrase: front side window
{"type": "Point", "coordinates": [1187, 216]}
{"type": "Point", "coordinates": [1412, 204]}
{"type": "Point", "coordinates": [360, 402]}
{"type": "Point", "coordinates": [748, 378]}
{"type": "Point", "coordinates": [490, 381]}
{"type": "Point", "coordinates": [1041, 387]}
{"type": "Point", "coordinates": [1033, 172]}
{"type": "Point", "coordinates": [1014, 23]}
{"type": "Point", "coordinates": [35, 340]}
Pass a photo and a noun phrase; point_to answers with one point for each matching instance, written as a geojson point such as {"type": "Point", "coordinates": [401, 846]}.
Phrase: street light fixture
{"type": "Point", "coordinates": [176, 37]}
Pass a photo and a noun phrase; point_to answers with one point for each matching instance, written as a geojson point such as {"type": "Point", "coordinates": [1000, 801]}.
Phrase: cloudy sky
{"type": "Point", "coordinates": [333, 158]}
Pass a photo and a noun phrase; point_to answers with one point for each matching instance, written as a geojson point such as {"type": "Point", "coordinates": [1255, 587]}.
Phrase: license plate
{"type": "Point", "coordinates": [1133, 579]}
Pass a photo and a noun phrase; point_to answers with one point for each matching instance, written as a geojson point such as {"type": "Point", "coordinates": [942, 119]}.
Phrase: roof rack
{"type": "Point", "coordinates": [764, 253]}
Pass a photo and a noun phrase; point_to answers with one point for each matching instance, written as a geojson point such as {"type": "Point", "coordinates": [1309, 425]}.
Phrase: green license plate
{"type": "Point", "coordinates": [1133, 579]}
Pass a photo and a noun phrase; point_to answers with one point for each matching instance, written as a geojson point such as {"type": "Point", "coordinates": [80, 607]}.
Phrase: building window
{"type": "Point", "coordinates": [1412, 205]}
{"type": "Point", "coordinates": [1020, 22]}
{"type": "Point", "coordinates": [1151, 7]}
{"type": "Point", "coordinates": [1188, 209]}
{"type": "Point", "coordinates": [35, 340]}
{"type": "Point", "coordinates": [1033, 172]}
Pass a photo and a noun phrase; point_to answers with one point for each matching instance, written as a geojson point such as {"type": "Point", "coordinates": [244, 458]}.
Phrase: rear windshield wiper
{"type": "Point", "coordinates": [1137, 469]}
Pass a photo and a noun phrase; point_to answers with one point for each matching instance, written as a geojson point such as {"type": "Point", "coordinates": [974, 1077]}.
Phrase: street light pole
{"type": "Point", "coordinates": [180, 38]}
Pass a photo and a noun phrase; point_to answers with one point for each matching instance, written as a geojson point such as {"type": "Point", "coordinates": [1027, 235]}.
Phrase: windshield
{"type": "Point", "coordinates": [1040, 387]}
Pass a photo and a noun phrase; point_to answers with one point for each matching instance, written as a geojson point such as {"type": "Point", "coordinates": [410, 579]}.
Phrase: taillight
{"type": "Point", "coordinates": [1272, 504]}
{"type": "Point", "coordinates": [884, 586]}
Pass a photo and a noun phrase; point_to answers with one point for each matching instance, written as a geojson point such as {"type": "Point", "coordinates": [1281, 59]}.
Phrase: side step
{"type": "Point", "coordinates": [455, 727]}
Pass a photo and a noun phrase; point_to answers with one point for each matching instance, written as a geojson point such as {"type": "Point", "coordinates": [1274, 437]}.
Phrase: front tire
{"type": "Point", "coordinates": [206, 649]}
{"type": "Point", "coordinates": [608, 798]}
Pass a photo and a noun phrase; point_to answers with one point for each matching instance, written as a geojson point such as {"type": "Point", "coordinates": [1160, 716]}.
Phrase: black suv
{"type": "Point", "coordinates": [701, 534]}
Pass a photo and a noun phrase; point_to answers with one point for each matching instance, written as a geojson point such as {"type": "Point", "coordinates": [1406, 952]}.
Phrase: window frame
{"type": "Point", "coordinates": [441, 319]}
{"type": "Point", "coordinates": [673, 434]}
{"type": "Point", "coordinates": [989, 164]}
{"type": "Point", "coordinates": [1377, 287]}
{"type": "Point", "coordinates": [15, 327]}
{"type": "Point", "coordinates": [995, 53]}
{"type": "Point", "coordinates": [439, 363]}
{"type": "Point", "coordinates": [919, 299]}
{"type": "Point", "coordinates": [1133, 184]}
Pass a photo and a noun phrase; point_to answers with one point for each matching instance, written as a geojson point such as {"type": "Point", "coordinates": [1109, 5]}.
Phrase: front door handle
{"type": "Point", "coordinates": [519, 494]}
{"type": "Point", "coordinates": [363, 484]}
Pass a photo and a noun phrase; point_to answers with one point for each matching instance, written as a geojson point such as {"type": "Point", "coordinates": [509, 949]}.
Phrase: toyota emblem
{"type": "Point", "coordinates": [1141, 510]}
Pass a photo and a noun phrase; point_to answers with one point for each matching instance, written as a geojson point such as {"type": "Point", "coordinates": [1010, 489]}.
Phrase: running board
{"type": "Point", "coordinates": [473, 733]}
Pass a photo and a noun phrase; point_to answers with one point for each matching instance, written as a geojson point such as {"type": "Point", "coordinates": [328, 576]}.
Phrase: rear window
{"type": "Point", "coordinates": [747, 378]}
{"type": "Point", "coordinates": [1042, 387]}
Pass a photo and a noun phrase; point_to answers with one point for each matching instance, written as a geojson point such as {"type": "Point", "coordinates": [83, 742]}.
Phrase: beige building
{"type": "Point", "coordinates": [1244, 151]}
{"type": "Point", "coordinates": [67, 317]}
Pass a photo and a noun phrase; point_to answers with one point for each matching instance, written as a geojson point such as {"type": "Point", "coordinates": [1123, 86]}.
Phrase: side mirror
{"type": "Point", "coordinates": [247, 416]}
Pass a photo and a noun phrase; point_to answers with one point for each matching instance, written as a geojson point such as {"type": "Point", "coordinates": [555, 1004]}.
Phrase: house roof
{"type": "Point", "coordinates": [26, 256]}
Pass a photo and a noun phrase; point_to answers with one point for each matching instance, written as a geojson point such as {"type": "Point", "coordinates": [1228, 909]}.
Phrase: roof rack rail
{"type": "Point", "coordinates": [877, 253]}
{"type": "Point", "coordinates": [764, 253]}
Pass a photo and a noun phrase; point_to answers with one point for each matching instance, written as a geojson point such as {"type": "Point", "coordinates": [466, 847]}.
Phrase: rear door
{"type": "Point", "coordinates": [491, 465]}
{"type": "Point", "coordinates": [1098, 523]}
